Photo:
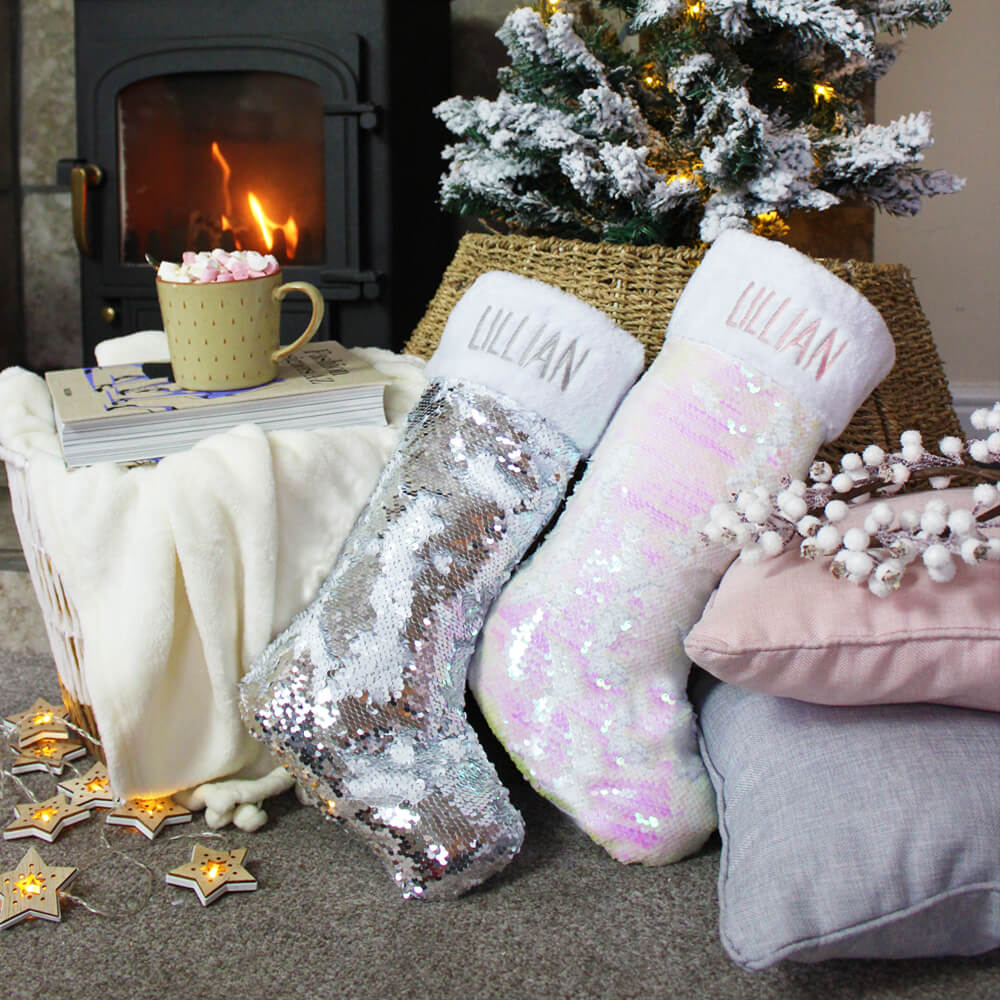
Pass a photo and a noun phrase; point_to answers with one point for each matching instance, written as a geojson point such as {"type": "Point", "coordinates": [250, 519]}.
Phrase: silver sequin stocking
{"type": "Point", "coordinates": [362, 697]}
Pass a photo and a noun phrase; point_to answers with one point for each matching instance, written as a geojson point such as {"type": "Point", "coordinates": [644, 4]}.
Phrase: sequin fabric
{"type": "Point", "coordinates": [580, 670]}
{"type": "Point", "coordinates": [362, 697]}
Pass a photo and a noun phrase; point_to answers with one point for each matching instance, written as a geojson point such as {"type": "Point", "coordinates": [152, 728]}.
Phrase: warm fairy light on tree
{"type": "Point", "coordinates": [682, 176]}
{"type": "Point", "coordinates": [650, 77]}
{"type": "Point", "coordinates": [771, 225]}
{"type": "Point", "coordinates": [823, 92]}
{"type": "Point", "coordinates": [549, 7]}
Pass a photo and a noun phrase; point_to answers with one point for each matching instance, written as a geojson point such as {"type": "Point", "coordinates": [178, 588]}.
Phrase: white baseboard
{"type": "Point", "coordinates": [969, 396]}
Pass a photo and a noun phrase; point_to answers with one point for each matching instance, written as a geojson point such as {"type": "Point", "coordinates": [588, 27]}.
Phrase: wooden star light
{"type": "Point", "coordinates": [149, 816]}
{"type": "Point", "coordinates": [32, 890]}
{"type": "Point", "coordinates": [47, 755]}
{"type": "Point", "coordinates": [40, 722]}
{"type": "Point", "coordinates": [211, 874]}
{"type": "Point", "coordinates": [92, 790]}
{"type": "Point", "coordinates": [45, 820]}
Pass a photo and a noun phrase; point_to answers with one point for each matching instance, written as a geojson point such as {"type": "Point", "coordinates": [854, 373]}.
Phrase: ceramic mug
{"type": "Point", "coordinates": [225, 335]}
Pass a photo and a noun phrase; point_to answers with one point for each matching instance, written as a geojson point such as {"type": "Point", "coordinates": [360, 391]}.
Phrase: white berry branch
{"type": "Point", "coordinates": [760, 525]}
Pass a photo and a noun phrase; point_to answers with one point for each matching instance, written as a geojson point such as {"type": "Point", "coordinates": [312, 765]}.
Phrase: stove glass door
{"type": "Point", "coordinates": [221, 159]}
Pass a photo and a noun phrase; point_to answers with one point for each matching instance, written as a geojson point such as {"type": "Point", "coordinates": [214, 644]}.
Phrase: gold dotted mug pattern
{"type": "Point", "coordinates": [226, 335]}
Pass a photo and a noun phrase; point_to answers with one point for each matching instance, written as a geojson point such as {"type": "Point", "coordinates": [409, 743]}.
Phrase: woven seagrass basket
{"type": "Point", "coordinates": [638, 287]}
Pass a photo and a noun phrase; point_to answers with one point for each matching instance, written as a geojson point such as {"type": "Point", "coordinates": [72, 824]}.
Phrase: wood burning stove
{"type": "Point", "coordinates": [300, 129]}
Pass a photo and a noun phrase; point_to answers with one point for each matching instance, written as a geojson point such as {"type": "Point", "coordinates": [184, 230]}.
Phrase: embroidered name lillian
{"type": "Point", "coordinates": [785, 327]}
{"type": "Point", "coordinates": [501, 333]}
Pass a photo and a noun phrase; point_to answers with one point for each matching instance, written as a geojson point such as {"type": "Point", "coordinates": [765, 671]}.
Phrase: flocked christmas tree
{"type": "Point", "coordinates": [668, 121]}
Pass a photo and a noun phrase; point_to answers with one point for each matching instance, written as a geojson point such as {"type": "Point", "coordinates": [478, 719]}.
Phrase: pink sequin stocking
{"type": "Point", "coordinates": [580, 669]}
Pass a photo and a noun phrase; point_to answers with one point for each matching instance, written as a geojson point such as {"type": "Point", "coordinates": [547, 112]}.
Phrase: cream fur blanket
{"type": "Point", "coordinates": [183, 571]}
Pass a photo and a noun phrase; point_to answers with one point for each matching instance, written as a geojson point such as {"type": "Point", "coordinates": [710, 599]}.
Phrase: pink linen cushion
{"type": "Point", "coordinates": [787, 627]}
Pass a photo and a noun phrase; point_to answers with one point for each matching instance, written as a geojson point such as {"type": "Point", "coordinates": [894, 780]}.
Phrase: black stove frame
{"type": "Point", "coordinates": [381, 66]}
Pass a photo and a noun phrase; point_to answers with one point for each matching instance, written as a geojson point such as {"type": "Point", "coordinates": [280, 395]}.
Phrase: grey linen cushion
{"type": "Point", "coordinates": [852, 832]}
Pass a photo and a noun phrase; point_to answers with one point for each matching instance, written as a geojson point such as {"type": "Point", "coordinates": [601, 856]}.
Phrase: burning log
{"type": "Point", "coordinates": [203, 233]}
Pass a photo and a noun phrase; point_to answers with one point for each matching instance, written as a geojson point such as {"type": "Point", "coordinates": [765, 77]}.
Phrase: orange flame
{"type": "Point", "coordinates": [268, 226]}
{"type": "Point", "coordinates": [226, 174]}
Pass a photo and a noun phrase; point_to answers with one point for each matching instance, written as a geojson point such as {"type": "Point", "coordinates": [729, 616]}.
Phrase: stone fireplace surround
{"type": "Point", "coordinates": [41, 327]}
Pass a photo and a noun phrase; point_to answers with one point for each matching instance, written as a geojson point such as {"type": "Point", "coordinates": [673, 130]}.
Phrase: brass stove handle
{"type": "Point", "coordinates": [81, 177]}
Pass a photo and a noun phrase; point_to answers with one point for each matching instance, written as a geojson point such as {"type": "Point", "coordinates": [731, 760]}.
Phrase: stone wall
{"type": "Point", "coordinates": [10, 257]}
{"type": "Point", "coordinates": [47, 126]}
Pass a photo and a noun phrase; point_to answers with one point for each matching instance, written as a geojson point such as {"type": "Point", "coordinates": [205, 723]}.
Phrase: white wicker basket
{"type": "Point", "coordinates": [61, 619]}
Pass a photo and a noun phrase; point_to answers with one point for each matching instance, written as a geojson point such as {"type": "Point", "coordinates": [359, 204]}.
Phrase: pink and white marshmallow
{"type": "Point", "coordinates": [217, 265]}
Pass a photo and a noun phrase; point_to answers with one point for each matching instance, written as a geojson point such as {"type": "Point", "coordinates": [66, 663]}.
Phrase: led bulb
{"type": "Point", "coordinates": [213, 869]}
{"type": "Point", "coordinates": [823, 92]}
{"type": "Point", "coordinates": [30, 885]}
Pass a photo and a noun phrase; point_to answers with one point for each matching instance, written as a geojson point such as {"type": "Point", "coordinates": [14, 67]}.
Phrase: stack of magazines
{"type": "Point", "coordinates": [131, 413]}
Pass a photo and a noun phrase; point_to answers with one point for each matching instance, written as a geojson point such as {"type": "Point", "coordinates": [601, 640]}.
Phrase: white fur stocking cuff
{"type": "Point", "coordinates": [790, 318]}
{"type": "Point", "coordinates": [552, 353]}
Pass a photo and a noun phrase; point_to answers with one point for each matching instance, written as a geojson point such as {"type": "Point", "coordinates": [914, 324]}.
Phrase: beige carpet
{"type": "Point", "coordinates": [11, 557]}
{"type": "Point", "coordinates": [21, 623]}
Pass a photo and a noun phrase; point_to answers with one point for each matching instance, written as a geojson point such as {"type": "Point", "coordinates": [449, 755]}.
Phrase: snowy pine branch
{"type": "Point", "coordinates": [826, 22]}
{"type": "Point", "coordinates": [879, 162]}
{"type": "Point", "coordinates": [898, 15]}
{"type": "Point", "coordinates": [854, 74]}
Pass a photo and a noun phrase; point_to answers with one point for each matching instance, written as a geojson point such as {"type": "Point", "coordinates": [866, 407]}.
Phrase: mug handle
{"type": "Point", "coordinates": [319, 308]}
